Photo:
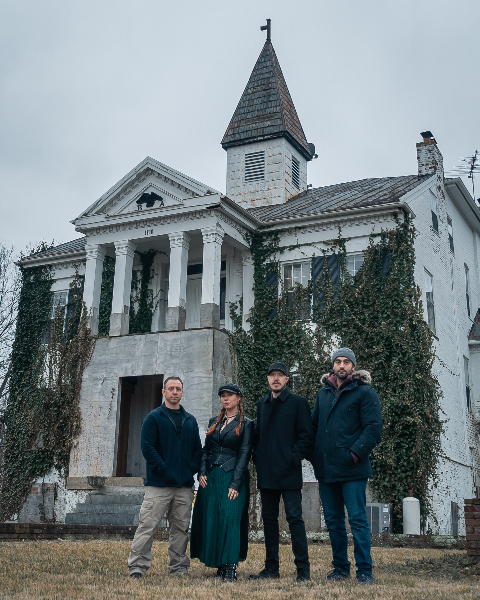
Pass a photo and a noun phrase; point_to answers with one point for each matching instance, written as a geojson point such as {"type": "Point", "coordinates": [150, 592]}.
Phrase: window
{"type": "Point", "coordinates": [59, 299]}
{"type": "Point", "coordinates": [450, 233]}
{"type": "Point", "coordinates": [466, 374]}
{"type": "Point", "coordinates": [467, 288]}
{"type": "Point", "coordinates": [297, 274]}
{"type": "Point", "coordinates": [434, 210]}
{"type": "Point", "coordinates": [296, 172]}
{"type": "Point", "coordinates": [354, 263]}
{"type": "Point", "coordinates": [430, 302]}
{"type": "Point", "coordinates": [295, 382]}
{"type": "Point", "coordinates": [255, 166]}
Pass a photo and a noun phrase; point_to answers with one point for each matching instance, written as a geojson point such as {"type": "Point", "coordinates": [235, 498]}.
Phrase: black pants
{"type": "Point", "coordinates": [292, 500]}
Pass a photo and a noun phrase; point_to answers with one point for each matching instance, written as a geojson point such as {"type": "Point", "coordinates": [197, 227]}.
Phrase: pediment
{"type": "Point", "coordinates": [160, 195]}
{"type": "Point", "coordinates": [164, 186]}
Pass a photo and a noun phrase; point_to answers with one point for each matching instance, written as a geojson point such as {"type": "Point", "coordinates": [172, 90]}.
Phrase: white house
{"type": "Point", "coordinates": [203, 264]}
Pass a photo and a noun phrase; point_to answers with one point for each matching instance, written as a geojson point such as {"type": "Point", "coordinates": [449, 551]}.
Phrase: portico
{"type": "Point", "coordinates": [196, 234]}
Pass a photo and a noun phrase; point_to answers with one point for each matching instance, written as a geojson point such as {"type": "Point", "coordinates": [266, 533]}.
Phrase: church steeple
{"type": "Point", "coordinates": [265, 143]}
{"type": "Point", "coordinates": [266, 109]}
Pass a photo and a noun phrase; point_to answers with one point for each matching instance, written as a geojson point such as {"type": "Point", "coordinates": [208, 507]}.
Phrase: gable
{"type": "Point", "coordinates": [164, 185]}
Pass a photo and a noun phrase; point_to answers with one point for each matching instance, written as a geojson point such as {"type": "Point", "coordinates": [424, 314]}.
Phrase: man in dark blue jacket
{"type": "Point", "coordinates": [347, 420]}
{"type": "Point", "coordinates": [172, 448]}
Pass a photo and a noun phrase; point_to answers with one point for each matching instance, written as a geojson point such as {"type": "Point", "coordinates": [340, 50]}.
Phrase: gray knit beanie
{"type": "Point", "coordinates": [345, 352]}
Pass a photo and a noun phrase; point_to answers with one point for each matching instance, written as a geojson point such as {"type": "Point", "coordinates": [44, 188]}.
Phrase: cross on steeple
{"type": "Point", "coordinates": [268, 27]}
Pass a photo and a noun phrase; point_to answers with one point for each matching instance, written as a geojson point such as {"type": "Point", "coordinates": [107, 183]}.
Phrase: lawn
{"type": "Point", "coordinates": [96, 569]}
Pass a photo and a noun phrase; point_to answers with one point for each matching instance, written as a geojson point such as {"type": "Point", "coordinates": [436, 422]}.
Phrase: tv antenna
{"type": "Point", "coordinates": [469, 166]}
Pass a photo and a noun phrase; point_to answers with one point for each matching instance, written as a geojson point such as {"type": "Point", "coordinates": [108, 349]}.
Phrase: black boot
{"type": "Point", "coordinates": [230, 573]}
{"type": "Point", "coordinates": [221, 572]}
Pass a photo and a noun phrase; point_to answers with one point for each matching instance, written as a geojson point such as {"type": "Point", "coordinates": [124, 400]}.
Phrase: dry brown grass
{"type": "Point", "coordinates": [94, 570]}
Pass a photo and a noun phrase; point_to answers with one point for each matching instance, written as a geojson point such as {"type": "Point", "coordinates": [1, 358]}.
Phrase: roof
{"type": "Point", "coordinates": [73, 246]}
{"type": "Point", "coordinates": [354, 194]}
{"type": "Point", "coordinates": [266, 109]}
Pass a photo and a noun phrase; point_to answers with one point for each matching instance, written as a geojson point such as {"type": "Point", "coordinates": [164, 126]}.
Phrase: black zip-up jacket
{"type": "Point", "coordinates": [228, 450]}
{"type": "Point", "coordinates": [346, 420]}
{"type": "Point", "coordinates": [283, 437]}
{"type": "Point", "coordinates": [172, 459]}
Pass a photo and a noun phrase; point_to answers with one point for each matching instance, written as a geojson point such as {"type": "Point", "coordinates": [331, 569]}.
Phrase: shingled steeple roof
{"type": "Point", "coordinates": [266, 109]}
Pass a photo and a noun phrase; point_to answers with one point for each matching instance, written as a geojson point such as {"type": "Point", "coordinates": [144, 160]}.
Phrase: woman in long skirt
{"type": "Point", "coordinates": [219, 536]}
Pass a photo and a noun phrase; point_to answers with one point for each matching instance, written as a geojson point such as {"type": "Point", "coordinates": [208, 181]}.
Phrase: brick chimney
{"type": "Point", "coordinates": [429, 157]}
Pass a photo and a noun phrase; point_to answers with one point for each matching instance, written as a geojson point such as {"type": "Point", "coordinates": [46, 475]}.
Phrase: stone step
{"type": "Point", "coordinates": [102, 519]}
{"type": "Point", "coordinates": [106, 519]}
{"type": "Point", "coordinates": [105, 509]}
{"type": "Point", "coordinates": [118, 499]}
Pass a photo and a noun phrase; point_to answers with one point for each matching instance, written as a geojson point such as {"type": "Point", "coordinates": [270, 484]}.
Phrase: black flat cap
{"type": "Point", "coordinates": [278, 367]}
{"type": "Point", "coordinates": [230, 387]}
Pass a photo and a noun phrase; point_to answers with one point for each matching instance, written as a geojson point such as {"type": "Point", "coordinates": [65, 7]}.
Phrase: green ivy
{"type": "Point", "coordinates": [106, 296]}
{"type": "Point", "coordinates": [379, 314]}
{"type": "Point", "coordinates": [42, 417]}
{"type": "Point", "coordinates": [142, 301]}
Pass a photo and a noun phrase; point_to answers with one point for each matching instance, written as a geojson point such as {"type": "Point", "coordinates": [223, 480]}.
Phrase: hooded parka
{"type": "Point", "coordinates": [345, 421]}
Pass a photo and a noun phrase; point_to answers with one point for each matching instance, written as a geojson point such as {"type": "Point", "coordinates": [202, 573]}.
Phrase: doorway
{"type": "Point", "coordinates": [138, 397]}
{"type": "Point", "coordinates": [194, 301]}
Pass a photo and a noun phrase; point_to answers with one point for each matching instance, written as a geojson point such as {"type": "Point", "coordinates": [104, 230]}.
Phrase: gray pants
{"type": "Point", "coordinates": [157, 500]}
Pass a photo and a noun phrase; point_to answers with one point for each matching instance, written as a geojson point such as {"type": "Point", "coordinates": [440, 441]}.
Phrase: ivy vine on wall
{"type": "Point", "coordinates": [106, 296]}
{"type": "Point", "coordinates": [379, 314]}
{"type": "Point", "coordinates": [42, 417]}
{"type": "Point", "coordinates": [142, 301]}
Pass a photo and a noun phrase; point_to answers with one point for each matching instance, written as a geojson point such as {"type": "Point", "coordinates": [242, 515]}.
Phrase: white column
{"type": "Point", "coordinates": [247, 260]}
{"type": "Point", "coordinates": [122, 283]}
{"type": "Point", "coordinates": [177, 281]}
{"type": "Point", "coordinates": [212, 261]}
{"type": "Point", "coordinates": [93, 283]}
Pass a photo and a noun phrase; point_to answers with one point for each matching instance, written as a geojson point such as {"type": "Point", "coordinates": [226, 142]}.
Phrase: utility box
{"type": "Point", "coordinates": [379, 517]}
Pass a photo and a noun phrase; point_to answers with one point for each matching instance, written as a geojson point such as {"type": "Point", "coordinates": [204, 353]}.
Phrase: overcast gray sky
{"type": "Point", "coordinates": [89, 88]}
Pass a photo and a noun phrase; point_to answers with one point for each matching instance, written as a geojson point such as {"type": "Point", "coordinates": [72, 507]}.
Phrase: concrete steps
{"type": "Point", "coordinates": [78, 518]}
{"type": "Point", "coordinates": [110, 506]}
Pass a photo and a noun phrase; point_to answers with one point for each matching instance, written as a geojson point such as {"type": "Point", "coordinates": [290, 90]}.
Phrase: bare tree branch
{"type": "Point", "coordinates": [10, 283]}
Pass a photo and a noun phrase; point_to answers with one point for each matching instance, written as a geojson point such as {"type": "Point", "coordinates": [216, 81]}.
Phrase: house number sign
{"type": "Point", "coordinates": [148, 232]}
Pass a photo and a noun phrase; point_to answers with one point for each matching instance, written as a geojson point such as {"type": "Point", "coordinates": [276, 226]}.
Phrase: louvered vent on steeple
{"type": "Point", "coordinates": [296, 172]}
{"type": "Point", "coordinates": [255, 166]}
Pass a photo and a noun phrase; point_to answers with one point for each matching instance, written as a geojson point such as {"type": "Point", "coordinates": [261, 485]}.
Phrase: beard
{"type": "Point", "coordinates": [343, 375]}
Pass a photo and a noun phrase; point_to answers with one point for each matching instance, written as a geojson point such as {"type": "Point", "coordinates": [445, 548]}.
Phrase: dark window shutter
{"type": "Point", "coordinates": [385, 262]}
{"type": "Point", "coordinates": [317, 275]}
{"type": "Point", "coordinates": [271, 277]}
{"type": "Point", "coordinates": [71, 318]}
{"type": "Point", "coordinates": [334, 271]}
{"type": "Point", "coordinates": [333, 265]}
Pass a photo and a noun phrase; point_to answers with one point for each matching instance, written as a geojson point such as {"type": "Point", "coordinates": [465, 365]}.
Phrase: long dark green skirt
{"type": "Point", "coordinates": [219, 525]}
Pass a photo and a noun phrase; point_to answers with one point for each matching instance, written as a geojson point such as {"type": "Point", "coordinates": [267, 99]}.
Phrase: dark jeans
{"type": "Point", "coordinates": [292, 500]}
{"type": "Point", "coordinates": [350, 494]}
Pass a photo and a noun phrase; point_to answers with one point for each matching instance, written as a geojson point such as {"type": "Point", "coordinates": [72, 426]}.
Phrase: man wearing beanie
{"type": "Point", "coordinates": [347, 421]}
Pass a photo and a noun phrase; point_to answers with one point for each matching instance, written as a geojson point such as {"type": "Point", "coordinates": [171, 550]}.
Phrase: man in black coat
{"type": "Point", "coordinates": [347, 422]}
{"type": "Point", "coordinates": [283, 437]}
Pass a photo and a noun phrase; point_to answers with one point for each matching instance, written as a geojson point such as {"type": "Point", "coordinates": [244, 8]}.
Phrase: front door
{"type": "Point", "coordinates": [194, 300]}
{"type": "Point", "coordinates": [139, 396]}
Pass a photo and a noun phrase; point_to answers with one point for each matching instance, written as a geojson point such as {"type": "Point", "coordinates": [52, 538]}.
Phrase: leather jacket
{"type": "Point", "coordinates": [228, 450]}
